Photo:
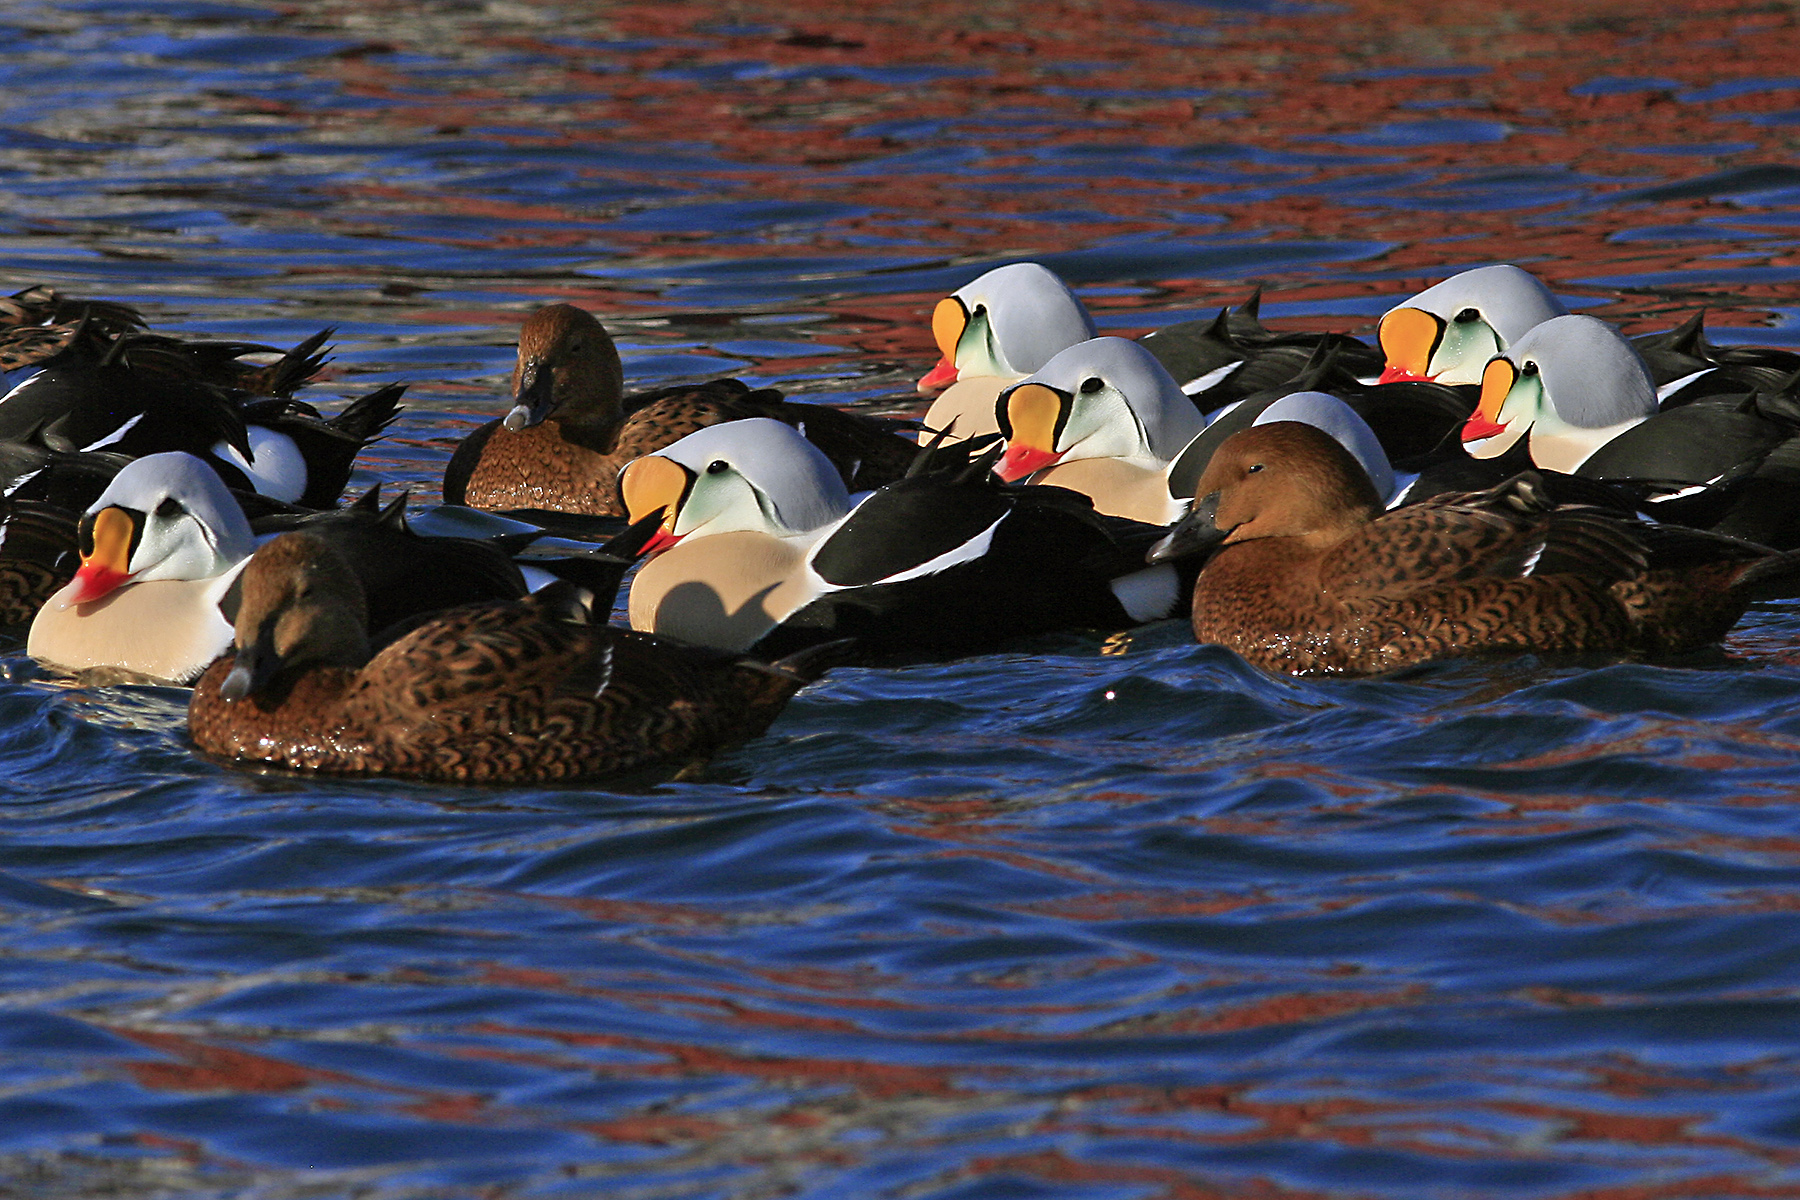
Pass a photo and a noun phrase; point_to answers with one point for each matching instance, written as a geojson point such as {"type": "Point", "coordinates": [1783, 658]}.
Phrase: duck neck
{"type": "Point", "coordinates": [595, 427]}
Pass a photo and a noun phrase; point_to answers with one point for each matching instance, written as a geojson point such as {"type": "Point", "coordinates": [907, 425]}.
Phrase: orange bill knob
{"type": "Point", "coordinates": [948, 320]}
{"type": "Point", "coordinates": [1409, 337]}
{"type": "Point", "coordinates": [1032, 415]}
{"type": "Point", "coordinates": [1497, 380]}
{"type": "Point", "coordinates": [106, 554]}
{"type": "Point", "coordinates": [654, 482]}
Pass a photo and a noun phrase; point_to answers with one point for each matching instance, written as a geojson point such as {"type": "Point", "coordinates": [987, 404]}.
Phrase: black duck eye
{"type": "Point", "coordinates": [1467, 315]}
{"type": "Point", "coordinates": [1529, 368]}
{"type": "Point", "coordinates": [170, 508]}
{"type": "Point", "coordinates": [1092, 384]}
{"type": "Point", "coordinates": [717, 466]}
{"type": "Point", "coordinates": [1254, 468]}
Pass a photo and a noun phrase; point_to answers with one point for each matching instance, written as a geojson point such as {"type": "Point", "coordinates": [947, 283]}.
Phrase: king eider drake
{"type": "Point", "coordinates": [571, 429]}
{"type": "Point", "coordinates": [138, 394]}
{"type": "Point", "coordinates": [1104, 419]}
{"type": "Point", "coordinates": [1009, 322]}
{"type": "Point", "coordinates": [1583, 399]}
{"type": "Point", "coordinates": [524, 692]}
{"type": "Point", "coordinates": [992, 332]}
{"type": "Point", "coordinates": [1448, 332]}
{"type": "Point", "coordinates": [761, 547]}
{"type": "Point", "coordinates": [161, 550]}
{"type": "Point", "coordinates": [1310, 575]}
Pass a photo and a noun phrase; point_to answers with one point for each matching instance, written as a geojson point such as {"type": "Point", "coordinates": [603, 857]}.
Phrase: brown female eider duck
{"type": "Point", "coordinates": [523, 692]}
{"type": "Point", "coordinates": [571, 429]}
{"type": "Point", "coordinates": [161, 548]}
{"type": "Point", "coordinates": [1313, 577]}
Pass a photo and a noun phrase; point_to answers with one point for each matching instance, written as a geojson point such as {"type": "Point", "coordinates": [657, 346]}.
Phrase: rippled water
{"type": "Point", "coordinates": [1084, 920]}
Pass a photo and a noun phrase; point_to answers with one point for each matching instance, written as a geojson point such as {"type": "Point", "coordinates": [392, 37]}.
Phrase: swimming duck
{"type": "Point", "coordinates": [570, 429]}
{"type": "Point", "coordinates": [761, 547]}
{"type": "Point", "coordinates": [1009, 322]}
{"type": "Point", "coordinates": [994, 331]}
{"type": "Point", "coordinates": [1102, 418]}
{"type": "Point", "coordinates": [137, 394]}
{"type": "Point", "coordinates": [524, 692]}
{"type": "Point", "coordinates": [161, 550]}
{"type": "Point", "coordinates": [1319, 409]}
{"type": "Point", "coordinates": [1311, 576]}
{"type": "Point", "coordinates": [1584, 400]}
{"type": "Point", "coordinates": [1449, 331]}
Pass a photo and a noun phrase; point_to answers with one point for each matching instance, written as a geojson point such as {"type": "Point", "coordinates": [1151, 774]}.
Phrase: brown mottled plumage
{"type": "Point", "coordinates": [573, 430]}
{"type": "Point", "coordinates": [39, 323]}
{"type": "Point", "coordinates": [498, 693]}
{"type": "Point", "coordinates": [38, 556]}
{"type": "Point", "coordinates": [1313, 576]}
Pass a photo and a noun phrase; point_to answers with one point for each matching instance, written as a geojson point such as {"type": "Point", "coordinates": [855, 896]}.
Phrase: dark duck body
{"type": "Point", "coordinates": [524, 692]}
{"type": "Point", "coordinates": [108, 387]}
{"type": "Point", "coordinates": [761, 550]}
{"type": "Point", "coordinates": [1313, 577]}
{"type": "Point", "coordinates": [572, 430]}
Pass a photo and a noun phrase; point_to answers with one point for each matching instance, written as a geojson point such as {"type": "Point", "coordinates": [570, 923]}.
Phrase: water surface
{"type": "Point", "coordinates": [1082, 920]}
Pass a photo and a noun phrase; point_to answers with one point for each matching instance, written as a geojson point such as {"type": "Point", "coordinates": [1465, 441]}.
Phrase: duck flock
{"type": "Point", "coordinates": [1496, 475]}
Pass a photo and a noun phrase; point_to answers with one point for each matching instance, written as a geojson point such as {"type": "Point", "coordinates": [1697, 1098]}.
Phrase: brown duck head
{"type": "Point", "coordinates": [569, 369]}
{"type": "Point", "coordinates": [1285, 479]}
{"type": "Point", "coordinates": [301, 606]}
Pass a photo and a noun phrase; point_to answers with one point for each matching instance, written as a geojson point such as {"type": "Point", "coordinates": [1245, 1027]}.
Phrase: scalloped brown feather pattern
{"type": "Point", "coordinates": [1497, 570]}
{"type": "Point", "coordinates": [546, 467]}
{"type": "Point", "coordinates": [500, 694]}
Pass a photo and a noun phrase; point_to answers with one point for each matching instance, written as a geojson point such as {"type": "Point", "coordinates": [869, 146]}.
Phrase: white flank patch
{"type": "Point", "coordinates": [1211, 379]}
{"type": "Point", "coordinates": [1675, 385]}
{"type": "Point", "coordinates": [115, 436]}
{"type": "Point", "coordinates": [21, 481]}
{"type": "Point", "coordinates": [279, 469]}
{"type": "Point", "coordinates": [21, 387]}
{"type": "Point", "coordinates": [969, 551]}
{"type": "Point", "coordinates": [1148, 595]}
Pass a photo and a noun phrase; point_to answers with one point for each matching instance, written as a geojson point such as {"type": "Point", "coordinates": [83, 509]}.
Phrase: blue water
{"type": "Point", "coordinates": [1086, 920]}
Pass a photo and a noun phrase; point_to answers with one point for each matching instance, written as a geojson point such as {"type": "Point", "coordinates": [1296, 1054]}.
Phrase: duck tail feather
{"type": "Point", "coordinates": [1776, 577]}
{"type": "Point", "coordinates": [367, 416]}
{"type": "Point", "coordinates": [805, 666]}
